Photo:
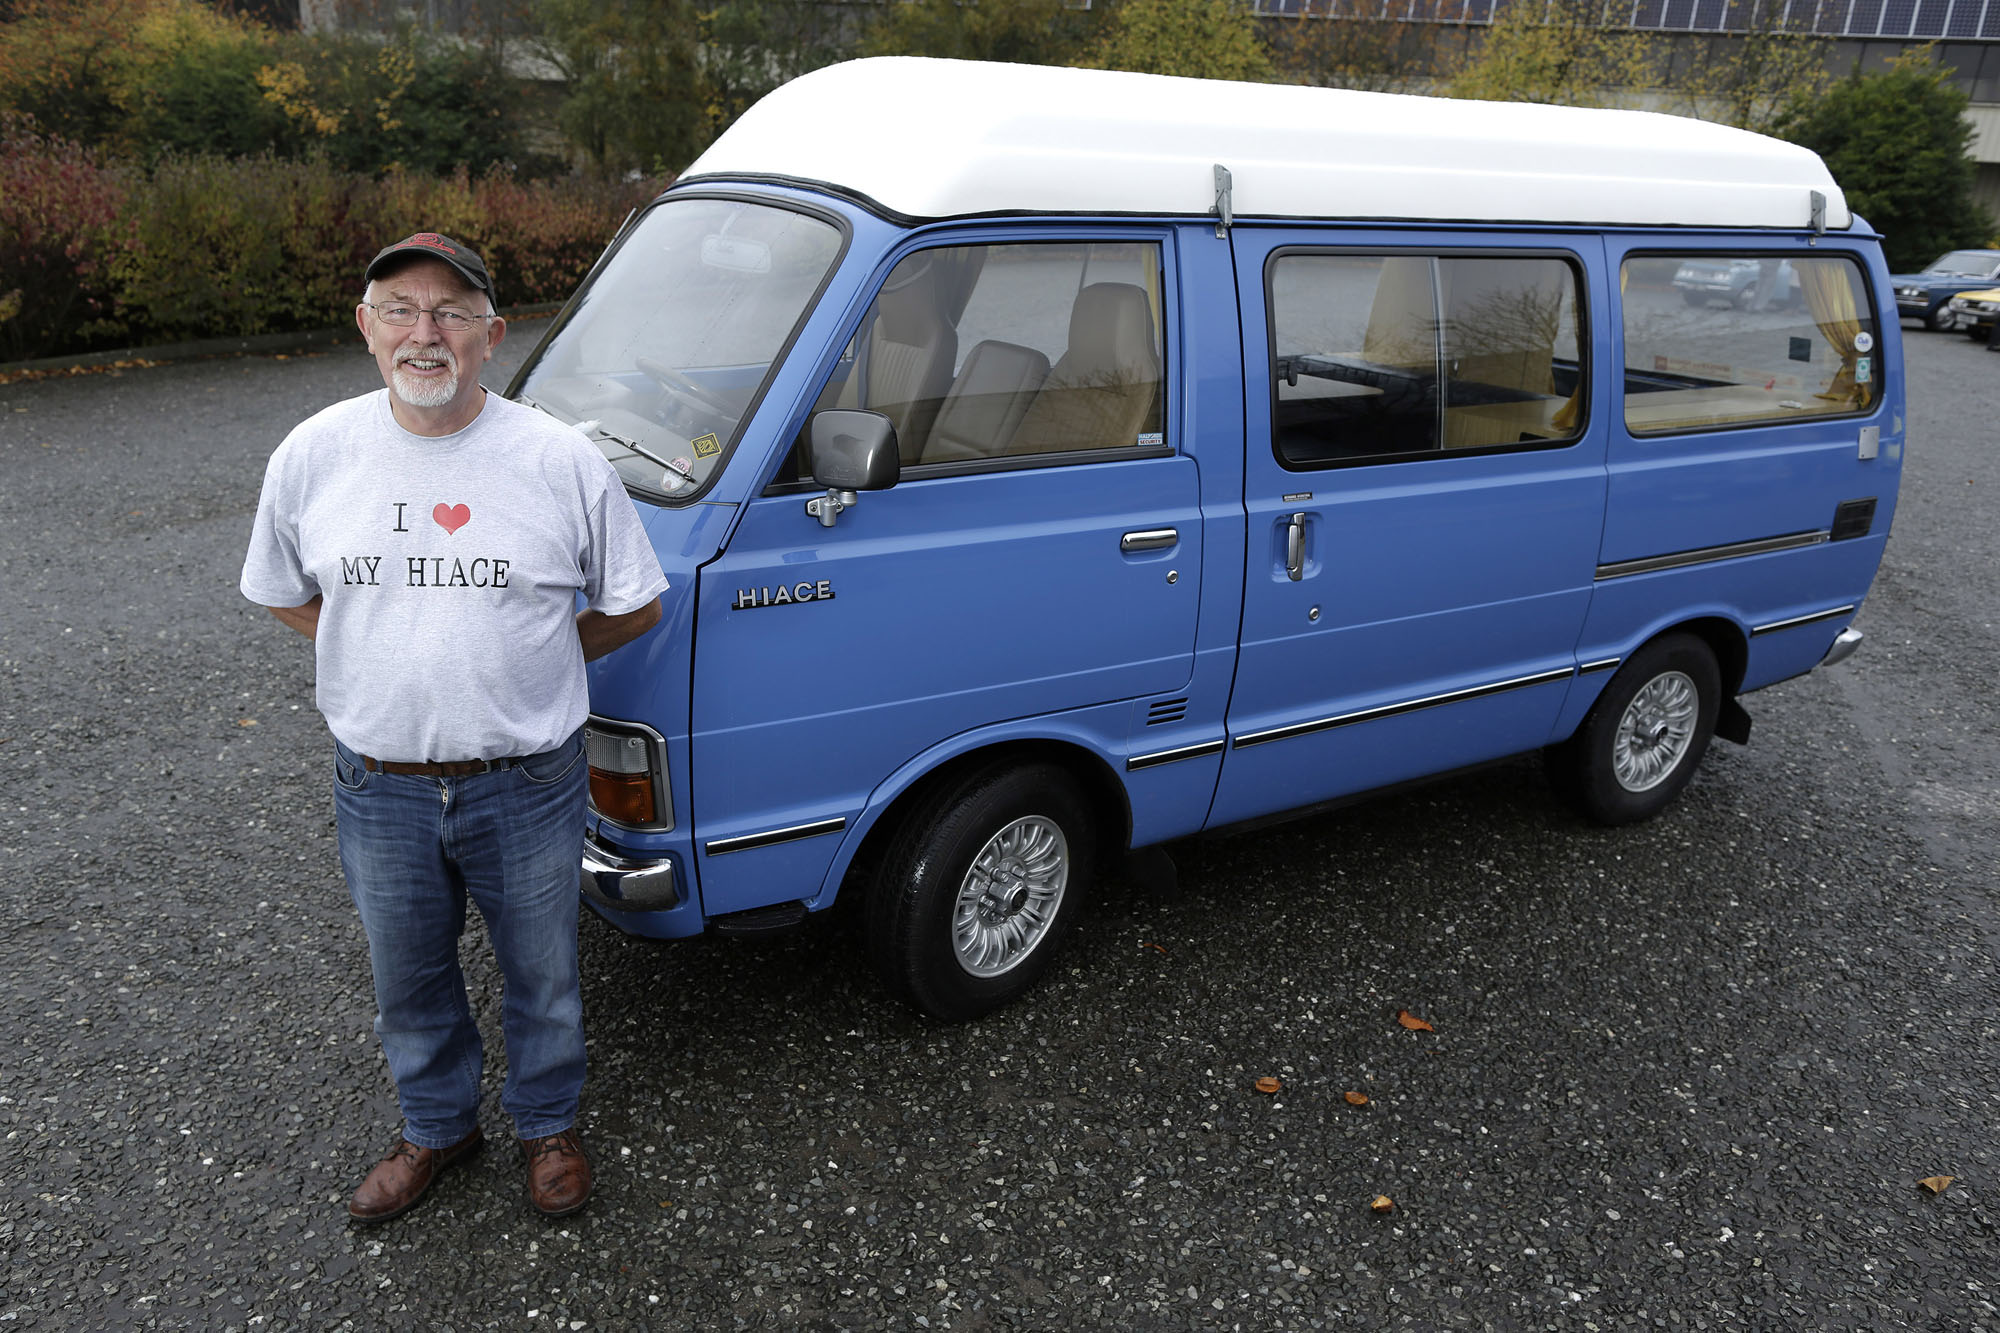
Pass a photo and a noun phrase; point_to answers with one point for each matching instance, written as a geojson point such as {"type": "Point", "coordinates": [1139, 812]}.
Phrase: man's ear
{"type": "Point", "coordinates": [361, 321]}
{"type": "Point", "coordinates": [496, 329]}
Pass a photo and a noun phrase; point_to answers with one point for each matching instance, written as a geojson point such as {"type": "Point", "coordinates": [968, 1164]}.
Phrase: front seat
{"type": "Point", "coordinates": [906, 360]}
{"type": "Point", "coordinates": [1106, 388]}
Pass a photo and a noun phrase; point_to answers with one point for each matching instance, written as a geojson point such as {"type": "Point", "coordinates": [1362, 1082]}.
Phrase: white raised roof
{"type": "Point", "coordinates": [949, 138]}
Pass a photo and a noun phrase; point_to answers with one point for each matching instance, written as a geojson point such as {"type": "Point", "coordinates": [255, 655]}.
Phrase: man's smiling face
{"type": "Point", "coordinates": [432, 374]}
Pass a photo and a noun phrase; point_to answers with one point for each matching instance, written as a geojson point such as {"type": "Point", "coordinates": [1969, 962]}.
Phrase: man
{"type": "Point", "coordinates": [430, 538]}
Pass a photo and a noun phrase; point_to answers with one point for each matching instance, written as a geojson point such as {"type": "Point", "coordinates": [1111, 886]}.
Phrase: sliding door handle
{"type": "Point", "coordinates": [1151, 539]}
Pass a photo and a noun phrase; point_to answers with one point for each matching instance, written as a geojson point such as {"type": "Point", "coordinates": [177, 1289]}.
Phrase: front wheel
{"type": "Point", "coordinates": [978, 889]}
{"type": "Point", "coordinates": [1645, 735]}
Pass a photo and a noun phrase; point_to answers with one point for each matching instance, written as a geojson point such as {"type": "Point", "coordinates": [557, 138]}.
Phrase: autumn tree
{"type": "Point", "coordinates": [632, 87]}
{"type": "Point", "coordinates": [1569, 52]}
{"type": "Point", "coordinates": [1354, 44]}
{"type": "Point", "coordinates": [1201, 39]}
{"type": "Point", "coordinates": [1899, 144]}
{"type": "Point", "coordinates": [1026, 32]}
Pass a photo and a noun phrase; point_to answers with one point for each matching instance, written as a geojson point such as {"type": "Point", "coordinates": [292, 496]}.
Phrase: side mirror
{"type": "Point", "coordinates": [851, 451]}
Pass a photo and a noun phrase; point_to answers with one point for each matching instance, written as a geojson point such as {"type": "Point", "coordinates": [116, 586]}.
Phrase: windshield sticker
{"type": "Point", "coordinates": [1863, 369]}
{"type": "Point", "coordinates": [707, 446]}
{"type": "Point", "coordinates": [1864, 342]}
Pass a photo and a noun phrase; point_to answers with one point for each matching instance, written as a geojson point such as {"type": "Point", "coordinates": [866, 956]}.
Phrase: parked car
{"type": "Point", "coordinates": [1737, 282]}
{"type": "Point", "coordinates": [1972, 313]}
{"type": "Point", "coordinates": [1921, 296]}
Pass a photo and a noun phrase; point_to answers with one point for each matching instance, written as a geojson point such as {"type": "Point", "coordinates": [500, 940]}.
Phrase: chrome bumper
{"type": "Point", "coordinates": [623, 885]}
{"type": "Point", "coordinates": [1843, 647]}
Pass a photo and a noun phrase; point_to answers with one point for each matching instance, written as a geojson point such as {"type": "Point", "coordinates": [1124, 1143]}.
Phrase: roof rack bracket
{"type": "Point", "coordinates": [1818, 213]}
{"type": "Point", "coordinates": [1223, 209]}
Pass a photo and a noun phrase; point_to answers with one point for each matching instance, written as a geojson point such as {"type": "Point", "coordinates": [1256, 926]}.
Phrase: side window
{"type": "Point", "coordinates": [1384, 358]}
{"type": "Point", "coordinates": [994, 352]}
{"type": "Point", "coordinates": [1715, 340]}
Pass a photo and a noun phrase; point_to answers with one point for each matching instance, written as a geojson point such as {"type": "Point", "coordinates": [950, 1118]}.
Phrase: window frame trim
{"type": "Point", "coordinates": [1580, 271]}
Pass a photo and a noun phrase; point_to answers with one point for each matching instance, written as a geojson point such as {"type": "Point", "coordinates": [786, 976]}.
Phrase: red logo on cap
{"type": "Point", "coordinates": [432, 241]}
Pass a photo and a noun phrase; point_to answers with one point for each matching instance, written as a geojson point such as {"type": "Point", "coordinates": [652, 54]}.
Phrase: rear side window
{"type": "Point", "coordinates": [1716, 340]}
{"type": "Point", "coordinates": [1387, 358]}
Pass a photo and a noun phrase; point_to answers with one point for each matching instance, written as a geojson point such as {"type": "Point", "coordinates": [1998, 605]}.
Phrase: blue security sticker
{"type": "Point", "coordinates": [1151, 439]}
{"type": "Point", "coordinates": [1863, 369]}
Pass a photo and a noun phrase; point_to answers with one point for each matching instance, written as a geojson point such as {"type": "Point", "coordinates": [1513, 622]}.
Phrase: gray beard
{"type": "Point", "coordinates": [427, 392]}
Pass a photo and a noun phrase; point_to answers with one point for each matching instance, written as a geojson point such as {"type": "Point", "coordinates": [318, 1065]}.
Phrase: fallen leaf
{"type": "Point", "coordinates": [1268, 1085]}
{"type": "Point", "coordinates": [246, 721]}
{"type": "Point", "coordinates": [1412, 1022]}
{"type": "Point", "coordinates": [1936, 1184]}
{"type": "Point", "coordinates": [1383, 1204]}
{"type": "Point", "coordinates": [1148, 944]}
{"type": "Point", "coordinates": [1356, 1098]}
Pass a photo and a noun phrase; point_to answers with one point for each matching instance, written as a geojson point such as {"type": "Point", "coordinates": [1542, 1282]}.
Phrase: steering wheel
{"type": "Point", "coordinates": [676, 382]}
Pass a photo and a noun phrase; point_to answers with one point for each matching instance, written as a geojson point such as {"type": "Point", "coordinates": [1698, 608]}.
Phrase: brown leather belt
{"type": "Point", "coordinates": [457, 768]}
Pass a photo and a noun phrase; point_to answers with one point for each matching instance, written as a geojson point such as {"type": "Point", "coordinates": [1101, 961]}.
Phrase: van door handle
{"type": "Point", "coordinates": [1295, 548]}
{"type": "Point", "coordinates": [1151, 539]}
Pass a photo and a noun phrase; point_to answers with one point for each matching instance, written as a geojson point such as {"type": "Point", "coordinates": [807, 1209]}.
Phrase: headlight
{"type": "Point", "coordinates": [628, 773]}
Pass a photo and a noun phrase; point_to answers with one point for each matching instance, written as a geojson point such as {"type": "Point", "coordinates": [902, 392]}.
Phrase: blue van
{"type": "Point", "coordinates": [1050, 463]}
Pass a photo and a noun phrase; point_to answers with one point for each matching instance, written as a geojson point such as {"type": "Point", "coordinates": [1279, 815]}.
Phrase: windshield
{"type": "Point", "coordinates": [1966, 263]}
{"type": "Point", "coordinates": [671, 342]}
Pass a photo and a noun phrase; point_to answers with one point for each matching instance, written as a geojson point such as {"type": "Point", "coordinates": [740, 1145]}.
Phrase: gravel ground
{"type": "Point", "coordinates": [1682, 1076]}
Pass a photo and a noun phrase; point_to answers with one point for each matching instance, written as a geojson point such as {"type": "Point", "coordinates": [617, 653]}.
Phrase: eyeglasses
{"type": "Point", "coordinates": [445, 317]}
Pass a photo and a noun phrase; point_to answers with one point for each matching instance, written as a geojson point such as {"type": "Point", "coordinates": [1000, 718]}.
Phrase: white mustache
{"type": "Point", "coordinates": [437, 353]}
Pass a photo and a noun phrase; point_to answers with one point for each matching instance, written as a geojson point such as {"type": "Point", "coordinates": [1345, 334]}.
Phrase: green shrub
{"type": "Point", "coordinates": [61, 220]}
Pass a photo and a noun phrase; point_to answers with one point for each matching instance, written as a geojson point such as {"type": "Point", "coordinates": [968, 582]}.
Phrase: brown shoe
{"type": "Point", "coordinates": [400, 1179]}
{"type": "Point", "coordinates": [558, 1173]}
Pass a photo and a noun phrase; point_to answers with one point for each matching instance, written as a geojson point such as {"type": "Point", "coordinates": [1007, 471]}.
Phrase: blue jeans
{"type": "Point", "coordinates": [414, 849]}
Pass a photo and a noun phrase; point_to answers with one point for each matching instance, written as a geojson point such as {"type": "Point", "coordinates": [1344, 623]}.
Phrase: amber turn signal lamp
{"type": "Point", "coordinates": [625, 797]}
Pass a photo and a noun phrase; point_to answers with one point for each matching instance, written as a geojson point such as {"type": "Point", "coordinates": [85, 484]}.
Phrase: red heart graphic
{"type": "Point", "coordinates": [451, 517]}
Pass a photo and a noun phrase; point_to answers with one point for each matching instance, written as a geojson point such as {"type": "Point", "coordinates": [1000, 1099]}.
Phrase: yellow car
{"type": "Point", "coordinates": [1973, 313]}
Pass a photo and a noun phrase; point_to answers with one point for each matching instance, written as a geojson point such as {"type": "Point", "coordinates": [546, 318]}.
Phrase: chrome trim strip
{"type": "Point", "coordinates": [1169, 756]}
{"type": "Point", "coordinates": [1602, 664]}
{"type": "Point", "coordinates": [1152, 539]}
{"type": "Point", "coordinates": [1796, 621]}
{"type": "Point", "coordinates": [1409, 706]}
{"type": "Point", "coordinates": [723, 846]}
{"type": "Point", "coordinates": [1734, 550]}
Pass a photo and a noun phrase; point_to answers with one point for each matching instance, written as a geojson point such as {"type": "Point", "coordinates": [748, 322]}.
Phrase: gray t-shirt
{"type": "Point", "coordinates": [449, 566]}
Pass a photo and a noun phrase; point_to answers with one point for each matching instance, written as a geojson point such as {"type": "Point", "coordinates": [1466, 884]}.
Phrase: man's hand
{"type": "Point", "coordinates": [601, 633]}
{"type": "Point", "coordinates": [304, 619]}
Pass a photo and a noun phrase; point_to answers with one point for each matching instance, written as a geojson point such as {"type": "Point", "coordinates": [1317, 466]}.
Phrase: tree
{"type": "Point", "coordinates": [1899, 145]}
{"type": "Point", "coordinates": [1350, 44]}
{"type": "Point", "coordinates": [1198, 39]}
{"type": "Point", "coordinates": [1570, 52]}
{"type": "Point", "coordinates": [749, 47]}
{"type": "Point", "coordinates": [633, 98]}
{"type": "Point", "coordinates": [1024, 32]}
{"type": "Point", "coordinates": [1746, 78]}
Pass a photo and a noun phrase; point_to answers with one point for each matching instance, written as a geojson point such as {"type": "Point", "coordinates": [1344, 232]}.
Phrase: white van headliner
{"type": "Point", "coordinates": [949, 138]}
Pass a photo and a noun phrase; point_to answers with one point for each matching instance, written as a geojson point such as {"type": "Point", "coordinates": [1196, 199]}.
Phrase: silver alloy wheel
{"type": "Point", "coordinates": [1655, 732]}
{"type": "Point", "coordinates": [1010, 896]}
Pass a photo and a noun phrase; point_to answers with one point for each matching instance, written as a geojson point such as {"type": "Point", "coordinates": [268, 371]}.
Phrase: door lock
{"type": "Point", "coordinates": [1295, 548]}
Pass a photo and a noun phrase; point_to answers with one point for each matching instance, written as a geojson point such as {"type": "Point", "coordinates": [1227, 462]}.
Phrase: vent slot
{"type": "Point", "coordinates": [1853, 519]}
{"type": "Point", "coordinates": [1167, 710]}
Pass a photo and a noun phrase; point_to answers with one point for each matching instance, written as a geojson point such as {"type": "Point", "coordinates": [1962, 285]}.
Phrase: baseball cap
{"type": "Point", "coordinates": [431, 245]}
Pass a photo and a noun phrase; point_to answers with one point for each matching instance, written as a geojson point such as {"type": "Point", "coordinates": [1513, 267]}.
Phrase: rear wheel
{"type": "Point", "coordinates": [978, 889]}
{"type": "Point", "coordinates": [1645, 735]}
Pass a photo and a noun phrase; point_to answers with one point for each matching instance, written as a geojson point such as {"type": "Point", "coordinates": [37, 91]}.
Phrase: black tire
{"type": "Point", "coordinates": [1931, 320]}
{"type": "Point", "coordinates": [1979, 333]}
{"type": "Point", "coordinates": [1610, 770]}
{"type": "Point", "coordinates": [1029, 821]}
{"type": "Point", "coordinates": [1694, 298]}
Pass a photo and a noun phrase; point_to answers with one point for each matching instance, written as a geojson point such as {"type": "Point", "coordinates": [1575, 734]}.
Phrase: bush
{"type": "Point", "coordinates": [209, 246]}
{"type": "Point", "coordinates": [61, 220]}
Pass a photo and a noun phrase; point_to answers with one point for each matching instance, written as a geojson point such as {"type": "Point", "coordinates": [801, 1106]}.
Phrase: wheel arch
{"type": "Point", "coordinates": [1110, 804]}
